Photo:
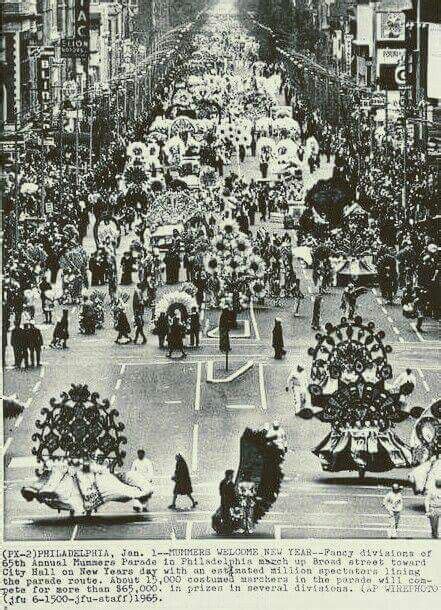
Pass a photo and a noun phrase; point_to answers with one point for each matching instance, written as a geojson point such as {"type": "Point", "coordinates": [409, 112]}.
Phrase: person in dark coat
{"type": "Point", "coordinates": [200, 282]}
{"type": "Point", "coordinates": [278, 344]}
{"type": "Point", "coordinates": [195, 327]}
{"type": "Point", "coordinates": [139, 326]}
{"type": "Point", "coordinates": [227, 493]}
{"type": "Point", "coordinates": [182, 481]}
{"type": "Point", "coordinates": [162, 328]}
{"type": "Point", "coordinates": [225, 325]}
{"type": "Point", "coordinates": [61, 331]}
{"type": "Point", "coordinates": [27, 343]}
{"type": "Point", "coordinates": [172, 263]}
{"type": "Point", "coordinates": [127, 269]}
{"type": "Point", "coordinates": [17, 342]}
{"type": "Point", "coordinates": [242, 153]}
{"type": "Point", "coordinates": [5, 330]}
{"type": "Point", "coordinates": [138, 300]}
{"type": "Point", "coordinates": [97, 269]}
{"type": "Point", "coordinates": [261, 198]}
{"type": "Point", "coordinates": [88, 317]}
{"type": "Point", "coordinates": [315, 324]}
{"type": "Point", "coordinates": [175, 338]}
{"type": "Point", "coordinates": [35, 344]}
{"type": "Point", "coordinates": [253, 144]}
{"type": "Point", "coordinates": [123, 327]}
{"type": "Point", "coordinates": [243, 222]}
{"type": "Point", "coordinates": [252, 209]}
{"type": "Point", "coordinates": [264, 165]}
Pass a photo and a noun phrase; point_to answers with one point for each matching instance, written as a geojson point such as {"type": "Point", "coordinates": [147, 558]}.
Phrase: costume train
{"type": "Point", "coordinates": [257, 483]}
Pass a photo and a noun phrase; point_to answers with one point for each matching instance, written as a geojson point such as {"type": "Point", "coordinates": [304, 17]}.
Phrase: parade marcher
{"type": "Point", "coordinates": [138, 300]}
{"type": "Point", "coordinates": [127, 269]}
{"type": "Point", "coordinates": [297, 382]}
{"type": "Point", "coordinates": [227, 491]}
{"type": "Point", "coordinates": [405, 383]}
{"type": "Point", "coordinates": [182, 481]}
{"type": "Point", "coordinates": [172, 263]}
{"type": "Point", "coordinates": [161, 328]}
{"type": "Point", "coordinates": [298, 296]}
{"type": "Point", "coordinates": [433, 508]}
{"type": "Point", "coordinates": [393, 503]}
{"type": "Point", "coordinates": [195, 327]}
{"type": "Point", "coordinates": [27, 343]}
{"type": "Point", "coordinates": [200, 283]}
{"type": "Point", "coordinates": [138, 314]}
{"type": "Point", "coordinates": [143, 466]}
{"type": "Point", "coordinates": [48, 303]}
{"type": "Point", "coordinates": [418, 308]}
{"type": "Point", "coordinates": [139, 327]}
{"type": "Point", "coordinates": [61, 331]}
{"type": "Point", "coordinates": [277, 343]}
{"type": "Point", "coordinates": [29, 303]}
{"type": "Point", "coordinates": [317, 305]}
{"type": "Point", "coordinates": [5, 331]}
{"type": "Point", "coordinates": [175, 337]}
{"type": "Point", "coordinates": [247, 494]}
{"type": "Point", "coordinates": [17, 343]}
{"type": "Point", "coordinates": [277, 435]}
{"type": "Point", "coordinates": [242, 153]}
{"type": "Point", "coordinates": [35, 344]}
{"type": "Point", "coordinates": [88, 317]}
{"type": "Point", "coordinates": [253, 144]}
{"type": "Point", "coordinates": [349, 301]}
{"type": "Point", "coordinates": [122, 326]}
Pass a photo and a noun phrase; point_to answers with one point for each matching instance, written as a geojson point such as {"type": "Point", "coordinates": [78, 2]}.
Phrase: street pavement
{"type": "Point", "coordinates": [168, 407]}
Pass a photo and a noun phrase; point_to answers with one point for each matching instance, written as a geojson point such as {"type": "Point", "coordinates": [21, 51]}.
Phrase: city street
{"type": "Point", "coordinates": [169, 407]}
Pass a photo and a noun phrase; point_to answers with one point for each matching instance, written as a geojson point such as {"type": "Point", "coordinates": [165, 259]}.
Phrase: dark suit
{"type": "Point", "coordinates": [227, 492]}
{"type": "Point", "coordinates": [195, 327]}
{"type": "Point", "coordinates": [17, 342]}
{"type": "Point", "coordinates": [35, 345]}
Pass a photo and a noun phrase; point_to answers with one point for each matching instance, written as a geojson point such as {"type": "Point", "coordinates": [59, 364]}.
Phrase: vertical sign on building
{"type": "Point", "coordinates": [78, 46]}
{"type": "Point", "coordinates": [434, 61]}
{"type": "Point", "coordinates": [348, 53]}
{"type": "Point", "coordinates": [44, 87]}
{"type": "Point", "coordinates": [82, 28]}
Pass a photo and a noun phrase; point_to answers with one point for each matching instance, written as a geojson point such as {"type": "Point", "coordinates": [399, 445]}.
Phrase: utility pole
{"type": "Point", "coordinates": [404, 190]}
{"type": "Point", "coordinates": [77, 143]}
{"type": "Point", "coordinates": [91, 117]}
{"type": "Point", "coordinates": [42, 176]}
{"type": "Point", "coordinates": [16, 237]}
{"type": "Point", "coordinates": [418, 54]}
{"type": "Point", "coordinates": [61, 158]}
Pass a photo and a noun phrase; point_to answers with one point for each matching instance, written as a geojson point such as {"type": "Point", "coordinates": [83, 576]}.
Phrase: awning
{"type": "Point", "coordinates": [394, 6]}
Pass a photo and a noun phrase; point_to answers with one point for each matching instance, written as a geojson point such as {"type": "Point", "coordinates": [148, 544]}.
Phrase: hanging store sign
{"type": "Point", "coordinates": [434, 61]}
{"type": "Point", "coordinates": [391, 68]}
{"type": "Point", "coordinates": [391, 26]}
{"type": "Point", "coordinates": [79, 45]}
{"type": "Point", "coordinates": [44, 87]}
{"type": "Point", "coordinates": [348, 52]}
{"type": "Point", "coordinates": [378, 99]}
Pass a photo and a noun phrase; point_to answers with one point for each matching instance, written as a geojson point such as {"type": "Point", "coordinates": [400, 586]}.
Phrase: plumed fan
{"type": "Point", "coordinates": [11, 408]}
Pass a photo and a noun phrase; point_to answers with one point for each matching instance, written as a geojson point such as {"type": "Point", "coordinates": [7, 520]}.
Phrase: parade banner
{"type": "Point", "coordinates": [44, 87]}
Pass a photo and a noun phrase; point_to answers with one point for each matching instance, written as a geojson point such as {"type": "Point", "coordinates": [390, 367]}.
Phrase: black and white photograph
{"type": "Point", "coordinates": [221, 270]}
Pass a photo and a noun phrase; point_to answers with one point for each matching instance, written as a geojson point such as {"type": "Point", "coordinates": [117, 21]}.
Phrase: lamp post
{"type": "Point", "coordinates": [16, 180]}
